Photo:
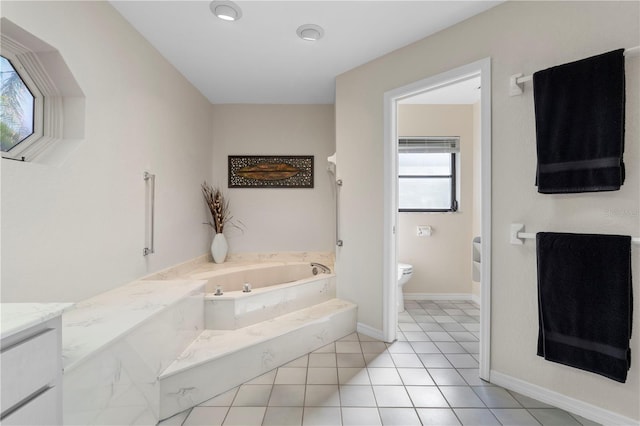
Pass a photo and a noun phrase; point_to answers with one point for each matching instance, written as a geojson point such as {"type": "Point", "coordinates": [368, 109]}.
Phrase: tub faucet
{"type": "Point", "coordinates": [315, 266]}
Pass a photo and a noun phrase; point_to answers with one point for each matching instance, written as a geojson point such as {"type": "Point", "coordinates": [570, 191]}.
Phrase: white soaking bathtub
{"type": "Point", "coordinates": [276, 289]}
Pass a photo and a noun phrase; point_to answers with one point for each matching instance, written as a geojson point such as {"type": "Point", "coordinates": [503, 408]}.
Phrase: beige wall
{"type": "Point", "coordinates": [519, 37]}
{"type": "Point", "coordinates": [441, 262]}
{"type": "Point", "coordinates": [278, 219]}
{"type": "Point", "coordinates": [73, 231]}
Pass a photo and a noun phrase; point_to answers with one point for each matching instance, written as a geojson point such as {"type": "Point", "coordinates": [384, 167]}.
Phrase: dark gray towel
{"type": "Point", "coordinates": [585, 301]}
{"type": "Point", "coordinates": [579, 110]}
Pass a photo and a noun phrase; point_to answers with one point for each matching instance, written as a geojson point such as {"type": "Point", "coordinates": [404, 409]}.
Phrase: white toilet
{"type": "Point", "coordinates": [405, 271]}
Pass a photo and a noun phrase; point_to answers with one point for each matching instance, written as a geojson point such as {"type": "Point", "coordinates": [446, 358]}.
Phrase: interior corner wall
{"type": "Point", "coordinates": [75, 230]}
{"type": "Point", "coordinates": [441, 262]}
{"type": "Point", "coordinates": [277, 219]}
{"type": "Point", "coordinates": [518, 37]}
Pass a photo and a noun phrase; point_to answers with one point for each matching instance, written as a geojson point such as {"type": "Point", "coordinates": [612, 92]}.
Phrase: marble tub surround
{"type": "Point", "coordinates": [220, 360]}
{"type": "Point", "coordinates": [96, 322]}
{"type": "Point", "coordinates": [258, 275]}
{"type": "Point", "coordinates": [238, 309]}
{"type": "Point", "coordinates": [116, 344]}
{"type": "Point", "coordinates": [17, 317]}
{"type": "Point", "coordinates": [180, 270]}
{"type": "Point", "coordinates": [204, 263]}
{"type": "Point", "coordinates": [326, 257]}
{"type": "Point", "coordinates": [142, 352]}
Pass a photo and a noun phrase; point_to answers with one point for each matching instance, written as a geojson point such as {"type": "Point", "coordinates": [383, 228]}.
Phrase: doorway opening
{"type": "Point", "coordinates": [424, 92]}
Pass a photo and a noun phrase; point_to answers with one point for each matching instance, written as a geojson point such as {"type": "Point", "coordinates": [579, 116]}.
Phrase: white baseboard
{"type": "Point", "coordinates": [476, 298]}
{"type": "Point", "coordinates": [369, 331]}
{"type": "Point", "coordinates": [442, 296]}
{"type": "Point", "coordinates": [581, 408]}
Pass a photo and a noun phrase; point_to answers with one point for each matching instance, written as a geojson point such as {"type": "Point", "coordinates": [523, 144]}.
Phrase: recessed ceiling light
{"type": "Point", "coordinates": [310, 32]}
{"type": "Point", "coordinates": [226, 10]}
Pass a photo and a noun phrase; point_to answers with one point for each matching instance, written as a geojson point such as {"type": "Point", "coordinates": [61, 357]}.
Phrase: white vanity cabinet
{"type": "Point", "coordinates": [31, 364]}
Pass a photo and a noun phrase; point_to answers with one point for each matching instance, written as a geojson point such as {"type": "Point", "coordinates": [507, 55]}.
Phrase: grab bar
{"type": "Point", "coordinates": [338, 185]}
{"type": "Point", "coordinates": [150, 180]}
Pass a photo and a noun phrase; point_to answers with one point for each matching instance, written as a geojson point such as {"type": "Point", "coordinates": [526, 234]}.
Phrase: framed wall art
{"type": "Point", "coordinates": [270, 171]}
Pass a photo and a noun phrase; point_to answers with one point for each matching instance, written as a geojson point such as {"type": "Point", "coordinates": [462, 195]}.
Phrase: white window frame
{"type": "Point", "coordinates": [38, 105]}
{"type": "Point", "coordinates": [47, 75]}
{"type": "Point", "coordinates": [435, 145]}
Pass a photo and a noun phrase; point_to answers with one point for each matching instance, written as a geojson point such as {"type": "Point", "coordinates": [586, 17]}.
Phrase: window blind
{"type": "Point", "coordinates": [429, 145]}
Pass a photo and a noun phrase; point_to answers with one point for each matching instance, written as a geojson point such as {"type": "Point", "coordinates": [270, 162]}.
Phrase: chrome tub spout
{"type": "Point", "coordinates": [324, 269]}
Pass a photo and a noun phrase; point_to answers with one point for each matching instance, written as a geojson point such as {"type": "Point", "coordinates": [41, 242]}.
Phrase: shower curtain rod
{"type": "Point", "coordinates": [516, 81]}
{"type": "Point", "coordinates": [518, 235]}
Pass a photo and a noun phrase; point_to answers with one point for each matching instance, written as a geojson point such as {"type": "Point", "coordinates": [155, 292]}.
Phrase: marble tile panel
{"type": "Point", "coordinates": [110, 371]}
{"type": "Point", "coordinates": [97, 322]}
{"type": "Point", "coordinates": [219, 361]}
{"type": "Point", "coordinates": [237, 309]}
{"type": "Point", "coordinates": [212, 344]}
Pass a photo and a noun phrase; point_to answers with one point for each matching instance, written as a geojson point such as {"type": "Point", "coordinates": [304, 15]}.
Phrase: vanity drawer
{"type": "Point", "coordinates": [28, 366]}
{"type": "Point", "coordinates": [42, 410]}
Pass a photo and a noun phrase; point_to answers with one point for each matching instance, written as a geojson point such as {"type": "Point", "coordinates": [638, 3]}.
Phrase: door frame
{"type": "Point", "coordinates": [482, 68]}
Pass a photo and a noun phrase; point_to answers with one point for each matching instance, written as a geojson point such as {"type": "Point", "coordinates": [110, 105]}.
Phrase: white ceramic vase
{"type": "Point", "coordinates": [219, 248]}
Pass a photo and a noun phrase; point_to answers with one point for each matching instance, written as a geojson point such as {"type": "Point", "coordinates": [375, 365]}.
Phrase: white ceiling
{"type": "Point", "coordinates": [260, 59]}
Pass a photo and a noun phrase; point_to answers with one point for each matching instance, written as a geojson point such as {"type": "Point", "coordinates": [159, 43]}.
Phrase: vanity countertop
{"type": "Point", "coordinates": [17, 317]}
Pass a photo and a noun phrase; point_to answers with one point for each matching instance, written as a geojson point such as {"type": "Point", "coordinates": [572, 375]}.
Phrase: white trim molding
{"type": "Point", "coordinates": [443, 296]}
{"type": "Point", "coordinates": [437, 296]}
{"type": "Point", "coordinates": [575, 406]}
{"type": "Point", "coordinates": [480, 68]}
{"type": "Point", "coordinates": [369, 331]}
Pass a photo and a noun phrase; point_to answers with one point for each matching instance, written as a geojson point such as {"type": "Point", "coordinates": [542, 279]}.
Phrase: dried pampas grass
{"type": "Point", "coordinates": [218, 207]}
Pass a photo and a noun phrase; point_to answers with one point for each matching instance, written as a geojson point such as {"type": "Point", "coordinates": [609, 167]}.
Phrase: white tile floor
{"type": "Point", "coordinates": [429, 377]}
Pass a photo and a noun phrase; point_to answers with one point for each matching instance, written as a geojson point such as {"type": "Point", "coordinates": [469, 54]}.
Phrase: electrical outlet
{"type": "Point", "coordinates": [423, 231]}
